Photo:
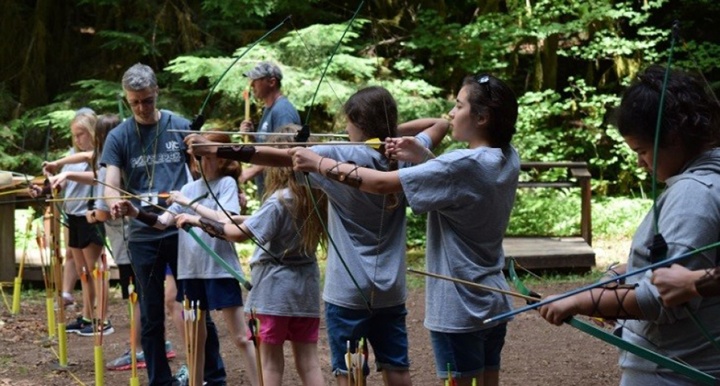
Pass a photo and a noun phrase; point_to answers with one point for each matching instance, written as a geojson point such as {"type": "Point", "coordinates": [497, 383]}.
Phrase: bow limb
{"type": "Point", "coordinates": [660, 360]}
{"type": "Point", "coordinates": [200, 119]}
{"type": "Point", "coordinates": [254, 328]}
{"type": "Point", "coordinates": [667, 262]}
{"type": "Point", "coordinates": [306, 129]}
{"type": "Point", "coordinates": [658, 249]}
{"type": "Point", "coordinates": [198, 122]}
{"type": "Point", "coordinates": [219, 260]}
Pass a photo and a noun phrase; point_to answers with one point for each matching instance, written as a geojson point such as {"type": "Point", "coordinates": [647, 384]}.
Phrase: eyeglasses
{"type": "Point", "coordinates": [149, 101]}
{"type": "Point", "coordinates": [484, 81]}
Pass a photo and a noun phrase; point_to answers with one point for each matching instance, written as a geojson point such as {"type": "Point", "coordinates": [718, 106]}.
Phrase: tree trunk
{"type": "Point", "coordinates": [550, 62]}
{"type": "Point", "coordinates": [537, 77]}
{"type": "Point", "coordinates": [33, 73]}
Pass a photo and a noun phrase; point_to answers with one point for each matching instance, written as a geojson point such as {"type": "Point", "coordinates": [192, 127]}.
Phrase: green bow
{"type": "Point", "coordinates": [660, 360]}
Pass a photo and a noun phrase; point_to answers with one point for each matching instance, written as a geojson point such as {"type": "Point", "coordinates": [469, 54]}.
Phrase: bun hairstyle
{"type": "Point", "coordinates": [491, 96]}
{"type": "Point", "coordinates": [228, 168]}
{"type": "Point", "coordinates": [302, 207]}
{"type": "Point", "coordinates": [691, 113]}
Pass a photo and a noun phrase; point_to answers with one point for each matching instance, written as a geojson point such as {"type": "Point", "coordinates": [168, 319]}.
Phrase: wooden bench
{"type": "Point", "coordinates": [572, 253]}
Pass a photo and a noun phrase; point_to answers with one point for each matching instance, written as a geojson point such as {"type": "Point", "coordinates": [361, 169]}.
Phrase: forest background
{"type": "Point", "coordinates": [567, 60]}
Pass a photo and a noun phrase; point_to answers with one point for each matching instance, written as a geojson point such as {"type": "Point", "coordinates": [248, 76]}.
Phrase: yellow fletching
{"type": "Point", "coordinates": [374, 143]}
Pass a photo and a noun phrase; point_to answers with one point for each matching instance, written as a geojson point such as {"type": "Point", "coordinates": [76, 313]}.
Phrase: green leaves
{"type": "Point", "coordinates": [302, 55]}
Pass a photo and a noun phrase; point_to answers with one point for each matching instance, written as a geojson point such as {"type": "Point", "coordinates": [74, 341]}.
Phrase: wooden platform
{"type": "Point", "coordinates": [551, 253]}
{"type": "Point", "coordinates": [534, 253]}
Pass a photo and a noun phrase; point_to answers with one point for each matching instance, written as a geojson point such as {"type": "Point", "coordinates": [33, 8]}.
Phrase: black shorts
{"type": "Point", "coordinates": [83, 233]}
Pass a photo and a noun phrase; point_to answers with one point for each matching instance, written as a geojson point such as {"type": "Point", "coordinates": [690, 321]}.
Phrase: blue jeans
{"type": "Point", "coordinates": [149, 259]}
{"type": "Point", "coordinates": [468, 354]}
{"type": "Point", "coordinates": [384, 329]}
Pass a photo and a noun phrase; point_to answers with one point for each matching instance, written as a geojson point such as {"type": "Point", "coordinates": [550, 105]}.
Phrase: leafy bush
{"type": "Point", "coordinates": [556, 212]}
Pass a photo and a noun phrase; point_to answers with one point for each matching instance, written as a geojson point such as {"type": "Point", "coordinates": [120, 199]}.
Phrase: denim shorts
{"type": "Point", "coordinates": [213, 294]}
{"type": "Point", "coordinates": [384, 329]}
{"type": "Point", "coordinates": [468, 354]}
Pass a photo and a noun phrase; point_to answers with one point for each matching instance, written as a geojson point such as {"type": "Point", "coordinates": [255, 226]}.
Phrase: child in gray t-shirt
{"type": "Point", "coordinates": [284, 269]}
{"type": "Point", "coordinates": [468, 195]}
{"type": "Point", "coordinates": [200, 278]}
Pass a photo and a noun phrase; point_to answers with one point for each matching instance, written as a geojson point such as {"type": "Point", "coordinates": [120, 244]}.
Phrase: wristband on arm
{"type": "Point", "coordinates": [238, 153]}
{"type": "Point", "coordinates": [352, 178]}
{"type": "Point", "coordinates": [709, 284]}
{"type": "Point", "coordinates": [213, 228]}
{"type": "Point", "coordinates": [147, 218]}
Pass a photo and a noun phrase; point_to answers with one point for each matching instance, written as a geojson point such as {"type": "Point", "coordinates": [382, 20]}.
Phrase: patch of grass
{"type": "Point", "coordinates": [5, 360]}
{"type": "Point", "coordinates": [561, 278]}
{"type": "Point", "coordinates": [618, 216]}
{"type": "Point", "coordinates": [556, 212]}
{"type": "Point", "coordinates": [415, 260]}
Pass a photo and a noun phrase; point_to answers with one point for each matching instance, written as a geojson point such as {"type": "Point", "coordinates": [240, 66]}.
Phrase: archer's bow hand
{"type": "Point", "coordinates": [123, 208]}
{"type": "Point", "coordinates": [305, 160]}
{"type": "Point", "coordinates": [199, 151]}
{"type": "Point", "coordinates": [407, 149]}
{"type": "Point", "coordinates": [676, 284]}
{"type": "Point", "coordinates": [559, 311]}
{"type": "Point", "coordinates": [36, 191]}
{"type": "Point", "coordinates": [186, 220]}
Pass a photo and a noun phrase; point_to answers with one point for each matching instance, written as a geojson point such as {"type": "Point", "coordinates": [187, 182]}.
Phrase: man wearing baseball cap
{"type": "Point", "coordinates": [265, 81]}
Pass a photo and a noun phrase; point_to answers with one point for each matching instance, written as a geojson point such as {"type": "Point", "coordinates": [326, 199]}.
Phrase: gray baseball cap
{"type": "Point", "coordinates": [263, 70]}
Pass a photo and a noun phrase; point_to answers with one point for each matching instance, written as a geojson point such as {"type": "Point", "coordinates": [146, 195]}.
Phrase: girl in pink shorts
{"type": "Point", "coordinates": [286, 279]}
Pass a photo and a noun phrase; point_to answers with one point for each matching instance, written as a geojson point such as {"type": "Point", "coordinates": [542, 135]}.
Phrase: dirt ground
{"type": "Point", "coordinates": [536, 353]}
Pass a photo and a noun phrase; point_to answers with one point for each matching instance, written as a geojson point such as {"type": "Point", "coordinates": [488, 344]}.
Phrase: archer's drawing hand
{"type": "Point", "coordinates": [676, 284]}
{"type": "Point", "coordinates": [304, 159]}
{"type": "Point", "coordinates": [177, 197]}
{"type": "Point", "coordinates": [58, 181]}
{"type": "Point", "coordinates": [49, 168]}
{"type": "Point", "coordinates": [407, 149]}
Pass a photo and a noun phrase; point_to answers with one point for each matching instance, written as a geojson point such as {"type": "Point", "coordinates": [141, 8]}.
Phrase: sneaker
{"type": "Point", "coordinates": [182, 377]}
{"type": "Point", "coordinates": [124, 362]}
{"type": "Point", "coordinates": [78, 325]}
{"type": "Point", "coordinates": [169, 352]}
{"type": "Point", "coordinates": [89, 330]}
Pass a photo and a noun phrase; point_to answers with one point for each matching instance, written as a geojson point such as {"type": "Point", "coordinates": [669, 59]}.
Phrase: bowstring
{"type": "Point", "coordinates": [656, 211]}
{"type": "Point", "coordinates": [199, 120]}
{"type": "Point", "coordinates": [308, 184]}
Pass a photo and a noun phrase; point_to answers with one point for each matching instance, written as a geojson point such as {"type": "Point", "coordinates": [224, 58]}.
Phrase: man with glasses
{"type": "Point", "coordinates": [150, 156]}
{"type": "Point", "coordinates": [265, 81]}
